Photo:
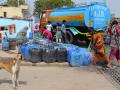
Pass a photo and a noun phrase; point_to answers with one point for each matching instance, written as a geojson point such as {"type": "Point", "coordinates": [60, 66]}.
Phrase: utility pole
{"type": "Point", "coordinates": [18, 3]}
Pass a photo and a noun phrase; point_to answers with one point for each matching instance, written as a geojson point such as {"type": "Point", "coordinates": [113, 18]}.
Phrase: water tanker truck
{"type": "Point", "coordinates": [79, 19]}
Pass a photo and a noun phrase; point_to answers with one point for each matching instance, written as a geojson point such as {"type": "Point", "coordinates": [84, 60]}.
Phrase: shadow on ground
{"type": "Point", "coordinates": [10, 82]}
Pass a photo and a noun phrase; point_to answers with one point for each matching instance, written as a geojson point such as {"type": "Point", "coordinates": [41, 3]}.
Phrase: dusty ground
{"type": "Point", "coordinates": [56, 76]}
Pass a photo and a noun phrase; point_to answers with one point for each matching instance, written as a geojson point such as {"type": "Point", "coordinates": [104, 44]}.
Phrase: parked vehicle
{"type": "Point", "coordinates": [79, 19]}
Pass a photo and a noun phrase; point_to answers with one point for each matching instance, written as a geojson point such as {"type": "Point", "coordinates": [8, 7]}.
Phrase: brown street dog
{"type": "Point", "coordinates": [12, 65]}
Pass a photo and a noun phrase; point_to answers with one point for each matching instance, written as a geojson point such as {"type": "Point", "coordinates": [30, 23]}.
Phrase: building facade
{"type": "Point", "coordinates": [13, 12]}
{"type": "Point", "coordinates": [14, 26]}
{"type": "Point", "coordinates": [10, 12]}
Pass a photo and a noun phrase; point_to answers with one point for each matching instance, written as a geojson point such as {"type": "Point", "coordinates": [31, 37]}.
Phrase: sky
{"type": "Point", "coordinates": [114, 5]}
{"type": "Point", "coordinates": [2, 1]}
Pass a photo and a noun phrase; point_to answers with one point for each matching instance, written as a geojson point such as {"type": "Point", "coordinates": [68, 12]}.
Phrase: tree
{"type": "Point", "coordinates": [41, 5]}
{"type": "Point", "coordinates": [58, 3]}
{"type": "Point", "coordinates": [14, 3]}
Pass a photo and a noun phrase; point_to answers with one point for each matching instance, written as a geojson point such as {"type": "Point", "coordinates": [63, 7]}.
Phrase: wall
{"type": "Point", "coordinates": [20, 23]}
{"type": "Point", "coordinates": [12, 12]}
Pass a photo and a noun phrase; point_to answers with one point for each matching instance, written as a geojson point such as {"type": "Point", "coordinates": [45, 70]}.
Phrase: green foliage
{"type": "Point", "coordinates": [14, 3]}
{"type": "Point", "coordinates": [41, 5]}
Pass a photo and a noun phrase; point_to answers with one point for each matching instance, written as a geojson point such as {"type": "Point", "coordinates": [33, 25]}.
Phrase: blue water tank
{"type": "Point", "coordinates": [95, 15]}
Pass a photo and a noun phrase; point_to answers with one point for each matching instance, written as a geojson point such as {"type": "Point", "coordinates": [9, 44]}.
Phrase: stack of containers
{"type": "Point", "coordinates": [50, 52]}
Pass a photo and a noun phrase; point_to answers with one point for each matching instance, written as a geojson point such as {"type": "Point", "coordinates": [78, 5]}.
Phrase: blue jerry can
{"type": "Point", "coordinates": [5, 45]}
{"type": "Point", "coordinates": [26, 52]}
{"type": "Point", "coordinates": [75, 59]}
{"type": "Point", "coordinates": [86, 56]}
{"type": "Point", "coordinates": [30, 35]}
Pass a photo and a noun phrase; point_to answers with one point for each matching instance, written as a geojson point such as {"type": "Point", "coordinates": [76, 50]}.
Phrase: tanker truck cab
{"type": "Point", "coordinates": [80, 19]}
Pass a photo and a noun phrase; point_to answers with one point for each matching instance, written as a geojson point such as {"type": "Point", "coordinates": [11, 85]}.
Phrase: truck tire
{"type": "Point", "coordinates": [69, 37]}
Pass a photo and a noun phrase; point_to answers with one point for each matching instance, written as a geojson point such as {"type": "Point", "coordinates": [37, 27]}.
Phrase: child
{"type": "Point", "coordinates": [58, 33]}
{"type": "Point", "coordinates": [63, 29]}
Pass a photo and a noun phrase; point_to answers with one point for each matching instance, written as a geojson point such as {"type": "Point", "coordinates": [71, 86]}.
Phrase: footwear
{"type": "Point", "coordinates": [118, 63]}
{"type": "Point", "coordinates": [109, 66]}
{"type": "Point", "coordinates": [113, 67]}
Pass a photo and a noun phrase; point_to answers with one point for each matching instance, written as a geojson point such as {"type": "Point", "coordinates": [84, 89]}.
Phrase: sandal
{"type": "Point", "coordinates": [113, 67]}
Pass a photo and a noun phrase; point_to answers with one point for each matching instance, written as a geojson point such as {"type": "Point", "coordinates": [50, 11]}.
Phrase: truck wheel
{"type": "Point", "coordinates": [69, 37]}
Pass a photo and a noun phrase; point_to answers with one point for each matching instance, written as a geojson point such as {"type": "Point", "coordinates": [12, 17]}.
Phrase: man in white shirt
{"type": "Point", "coordinates": [49, 26]}
{"type": "Point", "coordinates": [4, 35]}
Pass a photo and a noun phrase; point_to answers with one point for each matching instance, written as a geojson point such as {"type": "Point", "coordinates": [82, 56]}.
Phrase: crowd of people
{"type": "Point", "coordinates": [48, 32]}
{"type": "Point", "coordinates": [100, 57]}
{"type": "Point", "coordinates": [97, 39]}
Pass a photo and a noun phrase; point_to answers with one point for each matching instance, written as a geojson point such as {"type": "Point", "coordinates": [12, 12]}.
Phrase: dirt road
{"type": "Point", "coordinates": [56, 76]}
